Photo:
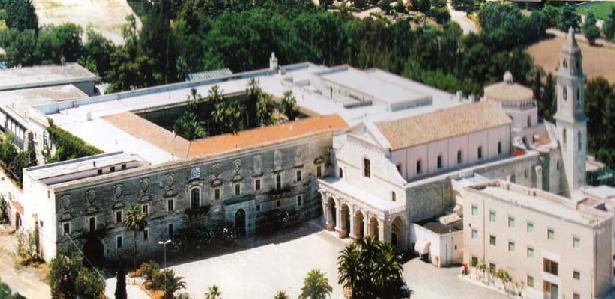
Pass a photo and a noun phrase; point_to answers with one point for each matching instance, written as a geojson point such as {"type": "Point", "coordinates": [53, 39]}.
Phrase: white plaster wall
{"type": "Point", "coordinates": [37, 202]}
{"type": "Point", "coordinates": [445, 248]}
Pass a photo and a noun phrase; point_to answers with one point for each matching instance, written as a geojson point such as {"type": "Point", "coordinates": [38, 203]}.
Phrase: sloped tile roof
{"type": "Point", "coordinates": [443, 124]}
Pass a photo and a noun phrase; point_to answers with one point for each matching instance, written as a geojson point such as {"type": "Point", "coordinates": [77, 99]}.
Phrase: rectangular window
{"type": "Point", "coordinates": [170, 230]}
{"type": "Point", "coordinates": [474, 233]}
{"type": "Point", "coordinates": [576, 242]}
{"type": "Point", "coordinates": [341, 173]}
{"type": "Point", "coordinates": [474, 261]}
{"type": "Point", "coordinates": [530, 251]}
{"type": "Point", "coordinates": [576, 296]}
{"type": "Point", "coordinates": [366, 168]}
{"type": "Point", "coordinates": [299, 200]}
{"type": "Point", "coordinates": [92, 223]}
{"type": "Point", "coordinates": [418, 167]}
{"type": "Point", "coordinates": [217, 194]}
{"type": "Point", "coordinates": [511, 246]}
{"type": "Point", "coordinates": [530, 227]}
{"type": "Point", "coordinates": [100, 171]}
{"type": "Point", "coordinates": [119, 242]}
{"type": "Point", "coordinates": [474, 210]}
{"type": "Point", "coordinates": [145, 234]}
{"type": "Point", "coordinates": [549, 266]}
{"type": "Point", "coordinates": [112, 169]}
{"type": "Point", "coordinates": [319, 171]}
{"type": "Point", "coordinates": [258, 207]}
{"type": "Point", "coordinates": [530, 281]}
{"type": "Point", "coordinates": [511, 221]}
{"type": "Point", "coordinates": [492, 267]}
{"type": "Point", "coordinates": [479, 152]}
{"type": "Point", "coordinates": [550, 234]}
{"type": "Point", "coordinates": [257, 184]}
{"type": "Point", "coordinates": [145, 209]}
{"type": "Point", "coordinates": [492, 240]}
{"type": "Point", "coordinates": [118, 216]}
{"type": "Point", "coordinates": [66, 228]}
{"type": "Point", "coordinates": [439, 161]}
{"type": "Point", "coordinates": [499, 147]}
{"type": "Point", "coordinates": [123, 166]}
{"type": "Point", "coordinates": [298, 174]}
{"type": "Point", "coordinates": [491, 216]}
{"type": "Point", "coordinates": [237, 189]}
{"type": "Point", "coordinates": [278, 181]}
{"type": "Point", "coordinates": [170, 205]}
{"type": "Point", "coordinates": [576, 274]}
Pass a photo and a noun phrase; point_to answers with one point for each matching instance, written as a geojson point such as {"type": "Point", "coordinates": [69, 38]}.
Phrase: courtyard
{"type": "Point", "coordinates": [282, 261]}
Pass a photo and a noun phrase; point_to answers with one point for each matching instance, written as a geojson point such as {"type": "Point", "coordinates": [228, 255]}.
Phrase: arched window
{"type": "Point", "coordinates": [418, 167]}
{"type": "Point", "coordinates": [580, 140]}
{"type": "Point", "coordinates": [459, 157]}
{"type": "Point", "coordinates": [393, 196]}
{"type": "Point", "coordinates": [565, 93]}
{"type": "Point", "coordinates": [341, 173]}
{"type": "Point", "coordinates": [565, 63]}
{"type": "Point", "coordinates": [500, 147]}
{"type": "Point", "coordinates": [479, 152]}
{"type": "Point", "coordinates": [195, 198]}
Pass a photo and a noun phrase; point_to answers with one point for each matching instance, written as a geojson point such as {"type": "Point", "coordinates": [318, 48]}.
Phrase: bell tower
{"type": "Point", "coordinates": [570, 119]}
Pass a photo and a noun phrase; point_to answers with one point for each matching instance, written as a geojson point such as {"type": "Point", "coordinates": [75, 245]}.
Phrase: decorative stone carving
{"type": "Point", "coordinates": [65, 200]}
{"type": "Point", "coordinates": [144, 189]}
{"type": "Point", "coordinates": [318, 160]}
{"type": "Point", "coordinates": [195, 173]}
{"type": "Point", "coordinates": [257, 165]}
{"type": "Point", "coordinates": [237, 169]}
{"type": "Point", "coordinates": [118, 192]}
{"type": "Point", "coordinates": [299, 156]}
{"type": "Point", "coordinates": [277, 160]}
{"type": "Point", "coordinates": [168, 185]}
{"type": "Point", "coordinates": [214, 177]}
{"type": "Point", "coordinates": [90, 197]}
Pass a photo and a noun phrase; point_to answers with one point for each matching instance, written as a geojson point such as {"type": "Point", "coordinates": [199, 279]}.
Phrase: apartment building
{"type": "Point", "coordinates": [553, 246]}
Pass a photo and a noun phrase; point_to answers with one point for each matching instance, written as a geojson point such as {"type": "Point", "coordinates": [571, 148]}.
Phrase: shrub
{"type": "Point", "coordinates": [27, 249]}
{"type": "Point", "coordinates": [148, 269]}
{"type": "Point", "coordinates": [67, 145]}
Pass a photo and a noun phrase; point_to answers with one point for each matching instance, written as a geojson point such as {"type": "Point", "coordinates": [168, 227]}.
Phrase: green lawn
{"type": "Point", "coordinates": [600, 9]}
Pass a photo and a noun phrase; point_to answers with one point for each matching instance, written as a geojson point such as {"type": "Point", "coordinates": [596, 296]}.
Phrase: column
{"type": "Point", "coordinates": [366, 224]}
{"type": "Point", "coordinates": [338, 216]}
{"type": "Point", "coordinates": [351, 229]}
{"type": "Point", "coordinates": [384, 231]}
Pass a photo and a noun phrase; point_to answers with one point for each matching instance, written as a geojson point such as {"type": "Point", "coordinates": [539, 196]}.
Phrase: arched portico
{"type": "Point", "coordinates": [330, 214]}
{"type": "Point", "coordinates": [373, 228]}
{"type": "Point", "coordinates": [359, 225]}
{"type": "Point", "coordinates": [398, 233]}
{"type": "Point", "coordinates": [344, 220]}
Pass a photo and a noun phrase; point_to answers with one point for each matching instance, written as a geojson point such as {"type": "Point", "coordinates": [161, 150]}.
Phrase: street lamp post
{"type": "Point", "coordinates": [164, 250]}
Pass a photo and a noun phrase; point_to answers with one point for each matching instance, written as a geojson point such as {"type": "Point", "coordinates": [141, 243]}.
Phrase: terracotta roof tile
{"type": "Point", "coordinates": [439, 125]}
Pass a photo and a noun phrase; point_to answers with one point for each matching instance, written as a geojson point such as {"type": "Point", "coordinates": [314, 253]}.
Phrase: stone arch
{"type": "Point", "coordinates": [240, 222]}
{"type": "Point", "coordinates": [195, 197]}
{"type": "Point", "coordinates": [373, 228]}
{"type": "Point", "coordinates": [359, 226]}
{"type": "Point", "coordinates": [94, 253]}
{"type": "Point", "coordinates": [344, 220]}
{"type": "Point", "coordinates": [398, 232]}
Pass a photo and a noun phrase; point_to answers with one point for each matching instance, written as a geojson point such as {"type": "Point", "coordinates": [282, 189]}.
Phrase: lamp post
{"type": "Point", "coordinates": [164, 250]}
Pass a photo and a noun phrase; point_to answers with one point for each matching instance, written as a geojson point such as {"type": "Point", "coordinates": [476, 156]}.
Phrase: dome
{"type": "Point", "coordinates": [508, 91]}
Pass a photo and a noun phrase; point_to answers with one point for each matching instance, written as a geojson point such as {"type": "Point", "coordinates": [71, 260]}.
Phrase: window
{"type": "Point", "coordinates": [459, 157]}
{"type": "Point", "coordinates": [578, 98]}
{"type": "Point", "coordinates": [479, 152]}
{"type": "Point", "coordinates": [112, 169]}
{"type": "Point", "coordinates": [145, 209]}
{"type": "Point", "coordinates": [145, 234]}
{"type": "Point", "coordinates": [530, 251]}
{"type": "Point", "coordinates": [66, 228]}
{"type": "Point", "coordinates": [492, 240]}
{"type": "Point", "coordinates": [278, 181]}
{"type": "Point", "coordinates": [119, 242]}
{"type": "Point", "coordinates": [298, 175]}
{"type": "Point", "coordinates": [299, 200]}
{"type": "Point", "coordinates": [100, 171]}
{"type": "Point", "coordinates": [530, 281]}
{"type": "Point", "coordinates": [237, 189]}
{"type": "Point", "coordinates": [550, 234]}
{"type": "Point", "coordinates": [257, 184]}
{"type": "Point", "coordinates": [492, 267]}
{"type": "Point", "coordinates": [439, 161]}
{"type": "Point", "coordinates": [549, 266]}
{"type": "Point", "coordinates": [319, 171]}
{"type": "Point", "coordinates": [366, 168]}
{"type": "Point", "coordinates": [258, 207]}
{"type": "Point", "coordinates": [170, 228]}
{"type": "Point", "coordinates": [341, 173]}
{"type": "Point", "coordinates": [278, 203]}
{"type": "Point", "coordinates": [474, 210]}
{"type": "Point", "coordinates": [499, 147]}
{"type": "Point", "coordinates": [491, 216]}
{"type": "Point", "coordinates": [565, 93]}
{"type": "Point", "coordinates": [92, 223]}
{"type": "Point", "coordinates": [123, 166]}
{"type": "Point", "coordinates": [530, 227]}
{"type": "Point", "coordinates": [511, 246]}
{"type": "Point", "coordinates": [170, 205]}
{"type": "Point", "coordinates": [565, 136]}
{"type": "Point", "coordinates": [576, 242]}
{"type": "Point", "coordinates": [393, 196]}
{"type": "Point", "coordinates": [474, 261]}
{"type": "Point", "coordinates": [576, 275]}
{"type": "Point", "coordinates": [576, 296]}
{"type": "Point", "coordinates": [418, 167]}
{"type": "Point", "coordinates": [580, 140]}
{"type": "Point", "coordinates": [118, 216]}
{"type": "Point", "coordinates": [511, 221]}
{"type": "Point", "coordinates": [529, 121]}
{"type": "Point", "coordinates": [195, 198]}
{"type": "Point", "coordinates": [474, 233]}
{"type": "Point", "coordinates": [217, 194]}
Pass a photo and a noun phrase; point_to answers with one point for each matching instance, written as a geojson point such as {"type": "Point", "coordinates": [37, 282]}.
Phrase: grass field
{"type": "Point", "coordinates": [601, 10]}
{"type": "Point", "coordinates": [597, 61]}
{"type": "Point", "coordinates": [104, 16]}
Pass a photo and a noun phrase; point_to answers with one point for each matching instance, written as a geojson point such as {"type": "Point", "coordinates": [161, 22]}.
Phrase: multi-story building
{"type": "Point", "coordinates": [555, 247]}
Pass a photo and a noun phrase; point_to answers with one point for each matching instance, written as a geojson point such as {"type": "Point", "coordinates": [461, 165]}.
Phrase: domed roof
{"type": "Point", "coordinates": [508, 91]}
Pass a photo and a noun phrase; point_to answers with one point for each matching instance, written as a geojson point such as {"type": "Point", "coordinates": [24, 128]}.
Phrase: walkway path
{"type": "Point", "coordinates": [461, 18]}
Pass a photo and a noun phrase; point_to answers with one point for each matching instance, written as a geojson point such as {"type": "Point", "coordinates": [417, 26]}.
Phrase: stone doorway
{"type": "Point", "coordinates": [240, 222]}
{"type": "Point", "coordinates": [94, 253]}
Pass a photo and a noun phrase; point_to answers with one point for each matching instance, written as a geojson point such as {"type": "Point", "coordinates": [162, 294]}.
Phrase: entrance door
{"type": "Point", "coordinates": [240, 222]}
{"type": "Point", "coordinates": [94, 253]}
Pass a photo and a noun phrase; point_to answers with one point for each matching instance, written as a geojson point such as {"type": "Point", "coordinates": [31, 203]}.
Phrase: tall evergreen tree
{"type": "Point", "coordinates": [120, 283]}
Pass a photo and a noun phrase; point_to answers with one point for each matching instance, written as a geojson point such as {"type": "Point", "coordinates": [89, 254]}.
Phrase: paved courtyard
{"type": "Point", "coordinates": [281, 263]}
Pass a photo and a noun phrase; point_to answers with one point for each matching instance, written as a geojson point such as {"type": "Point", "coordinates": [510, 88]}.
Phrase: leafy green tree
{"type": "Point", "coordinates": [253, 93]}
{"type": "Point", "coordinates": [90, 284]}
{"type": "Point", "coordinates": [281, 295]}
{"type": "Point", "coordinates": [171, 283]}
{"type": "Point", "coordinates": [370, 268]}
{"type": "Point", "coordinates": [315, 286]}
{"type": "Point", "coordinates": [227, 114]}
{"type": "Point", "coordinates": [20, 15]}
{"type": "Point", "coordinates": [552, 14]}
{"type": "Point", "coordinates": [600, 109]}
{"type": "Point", "coordinates": [568, 18]}
{"type": "Point", "coordinates": [96, 53]}
{"type": "Point", "coordinates": [464, 5]}
{"type": "Point", "coordinates": [591, 31]}
{"type": "Point", "coordinates": [6, 293]}
{"type": "Point", "coordinates": [68, 278]}
{"type": "Point", "coordinates": [421, 5]}
{"type": "Point", "coordinates": [547, 101]}
{"type": "Point", "coordinates": [189, 126]}
{"type": "Point", "coordinates": [213, 292]}
{"type": "Point", "coordinates": [20, 47]}
{"type": "Point", "coordinates": [289, 105]}
{"type": "Point", "coordinates": [264, 110]}
{"type": "Point", "coordinates": [135, 221]}
{"type": "Point", "coordinates": [609, 26]}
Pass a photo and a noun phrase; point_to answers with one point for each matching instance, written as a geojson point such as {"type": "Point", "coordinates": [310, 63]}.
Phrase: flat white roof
{"type": "Point", "coordinates": [80, 165]}
{"type": "Point", "coordinates": [43, 75]}
{"type": "Point", "coordinates": [82, 117]}
{"type": "Point", "coordinates": [21, 100]}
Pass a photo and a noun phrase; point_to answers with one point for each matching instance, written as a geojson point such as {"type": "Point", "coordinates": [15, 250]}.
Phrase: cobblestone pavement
{"type": "Point", "coordinates": [282, 263]}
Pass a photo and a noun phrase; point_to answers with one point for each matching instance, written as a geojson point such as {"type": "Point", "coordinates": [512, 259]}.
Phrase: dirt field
{"type": "Point", "coordinates": [597, 61]}
{"type": "Point", "coordinates": [105, 16]}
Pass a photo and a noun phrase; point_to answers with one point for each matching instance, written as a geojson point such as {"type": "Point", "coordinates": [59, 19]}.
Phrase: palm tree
{"type": "Point", "coordinates": [189, 127]}
{"type": "Point", "coordinates": [349, 266]}
{"type": "Point", "coordinates": [135, 221]}
{"type": "Point", "coordinates": [213, 292]}
{"type": "Point", "coordinates": [254, 93]}
{"type": "Point", "coordinates": [315, 286]}
{"type": "Point", "coordinates": [289, 105]}
{"type": "Point", "coordinates": [264, 110]}
{"type": "Point", "coordinates": [281, 295]}
{"type": "Point", "coordinates": [172, 283]}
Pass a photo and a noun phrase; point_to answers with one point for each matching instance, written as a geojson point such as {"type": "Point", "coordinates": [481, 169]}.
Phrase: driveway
{"type": "Point", "coordinates": [282, 263]}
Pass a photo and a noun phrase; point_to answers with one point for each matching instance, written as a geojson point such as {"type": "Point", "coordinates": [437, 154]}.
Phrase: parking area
{"type": "Point", "coordinates": [281, 263]}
